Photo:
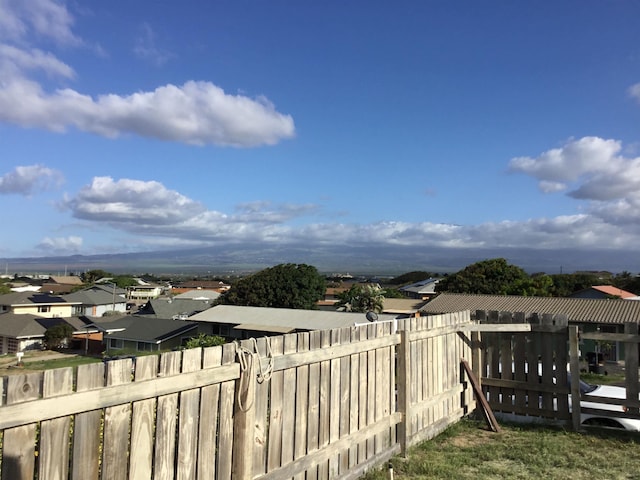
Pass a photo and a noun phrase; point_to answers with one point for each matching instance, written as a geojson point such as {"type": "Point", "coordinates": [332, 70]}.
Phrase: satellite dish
{"type": "Point", "coordinates": [372, 316]}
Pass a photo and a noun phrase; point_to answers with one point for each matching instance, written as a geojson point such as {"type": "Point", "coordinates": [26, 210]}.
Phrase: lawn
{"type": "Point", "coordinates": [468, 450]}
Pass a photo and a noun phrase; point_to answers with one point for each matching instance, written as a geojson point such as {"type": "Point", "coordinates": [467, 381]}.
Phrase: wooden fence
{"type": "Point", "coordinates": [307, 406]}
{"type": "Point", "coordinates": [526, 373]}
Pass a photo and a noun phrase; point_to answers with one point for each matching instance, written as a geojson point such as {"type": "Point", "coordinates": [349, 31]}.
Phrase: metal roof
{"type": "Point", "coordinates": [578, 310]}
{"type": "Point", "coordinates": [262, 317]}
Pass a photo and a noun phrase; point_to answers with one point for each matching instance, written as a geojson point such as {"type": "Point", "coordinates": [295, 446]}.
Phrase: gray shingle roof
{"type": "Point", "coordinates": [578, 310]}
{"type": "Point", "coordinates": [151, 330]}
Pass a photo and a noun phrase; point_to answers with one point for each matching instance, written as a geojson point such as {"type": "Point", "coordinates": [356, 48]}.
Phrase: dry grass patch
{"type": "Point", "coordinates": [469, 451]}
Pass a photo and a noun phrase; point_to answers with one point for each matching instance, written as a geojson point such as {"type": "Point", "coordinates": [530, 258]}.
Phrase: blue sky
{"type": "Point", "coordinates": [138, 126]}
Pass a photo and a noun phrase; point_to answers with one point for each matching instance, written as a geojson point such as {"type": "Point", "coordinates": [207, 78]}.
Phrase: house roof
{"type": "Point", "coordinates": [170, 307]}
{"type": "Point", "coordinates": [578, 310]}
{"type": "Point", "coordinates": [31, 298]}
{"type": "Point", "coordinates": [66, 279]}
{"type": "Point", "coordinates": [402, 305]}
{"type": "Point", "coordinates": [93, 297]}
{"type": "Point", "coordinates": [267, 318]}
{"type": "Point", "coordinates": [198, 294]}
{"type": "Point", "coordinates": [141, 329]}
{"type": "Point", "coordinates": [28, 326]}
{"type": "Point", "coordinates": [422, 287]}
{"type": "Point", "coordinates": [613, 291]}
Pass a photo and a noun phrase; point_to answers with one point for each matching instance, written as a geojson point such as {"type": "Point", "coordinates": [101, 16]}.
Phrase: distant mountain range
{"type": "Point", "coordinates": [327, 259]}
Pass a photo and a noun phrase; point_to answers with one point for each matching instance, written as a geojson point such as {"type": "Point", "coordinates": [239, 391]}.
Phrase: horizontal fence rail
{"type": "Point", "coordinates": [308, 406]}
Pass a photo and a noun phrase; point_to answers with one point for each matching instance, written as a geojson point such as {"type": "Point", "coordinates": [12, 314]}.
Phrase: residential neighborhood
{"type": "Point", "coordinates": [149, 316]}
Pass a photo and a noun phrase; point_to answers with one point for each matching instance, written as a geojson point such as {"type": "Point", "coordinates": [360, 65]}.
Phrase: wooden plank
{"type": "Point", "coordinates": [519, 374]}
{"type": "Point", "coordinates": [321, 456]}
{"type": "Point", "coordinates": [227, 400]}
{"type": "Point", "coordinates": [143, 421]}
{"type": "Point", "coordinates": [188, 419]}
{"type": "Point", "coordinates": [380, 388]}
{"type": "Point", "coordinates": [288, 402]}
{"type": "Point", "coordinates": [86, 426]}
{"type": "Point", "coordinates": [486, 410]}
{"type": "Point", "coordinates": [115, 445]}
{"type": "Point", "coordinates": [362, 334]}
{"type": "Point", "coordinates": [274, 449]}
{"type": "Point", "coordinates": [313, 418]}
{"type": "Point", "coordinates": [261, 415]}
{"type": "Point", "coordinates": [334, 404]}
{"type": "Point", "coordinates": [354, 399]}
{"type": "Point", "coordinates": [48, 408]}
{"type": "Point", "coordinates": [244, 413]}
{"type": "Point", "coordinates": [302, 405]}
{"type": "Point", "coordinates": [372, 385]}
{"type": "Point", "coordinates": [19, 443]}
{"type": "Point", "coordinates": [55, 434]}
{"type": "Point", "coordinates": [574, 366]}
{"type": "Point", "coordinates": [345, 398]}
{"type": "Point", "coordinates": [332, 351]}
{"type": "Point", "coordinates": [631, 365]}
{"type": "Point", "coordinates": [209, 407]}
{"type": "Point", "coordinates": [325, 403]}
{"type": "Point", "coordinates": [167, 410]}
{"type": "Point", "coordinates": [404, 379]}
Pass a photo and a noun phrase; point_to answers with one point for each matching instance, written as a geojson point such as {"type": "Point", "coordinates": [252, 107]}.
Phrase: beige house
{"type": "Point", "coordinates": [36, 303]}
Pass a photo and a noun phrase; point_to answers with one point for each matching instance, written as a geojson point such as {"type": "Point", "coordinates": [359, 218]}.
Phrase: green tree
{"type": "Point", "coordinates": [283, 286]}
{"type": "Point", "coordinates": [204, 340]}
{"type": "Point", "coordinates": [411, 277]}
{"type": "Point", "coordinates": [362, 298]}
{"type": "Point", "coordinates": [91, 276]}
{"type": "Point", "coordinates": [565, 284]}
{"type": "Point", "coordinates": [493, 277]}
{"type": "Point", "coordinates": [124, 281]}
{"type": "Point", "coordinates": [58, 336]}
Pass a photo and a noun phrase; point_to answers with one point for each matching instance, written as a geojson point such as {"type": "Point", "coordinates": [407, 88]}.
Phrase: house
{"type": "Point", "coordinates": [177, 309]}
{"type": "Point", "coordinates": [246, 322]}
{"type": "Point", "coordinates": [36, 303]}
{"type": "Point", "coordinates": [423, 290]}
{"type": "Point", "coordinates": [198, 294]}
{"type": "Point", "coordinates": [139, 334]}
{"type": "Point", "coordinates": [331, 298]}
{"type": "Point", "coordinates": [58, 284]}
{"type": "Point", "coordinates": [603, 291]}
{"type": "Point", "coordinates": [97, 300]}
{"type": "Point", "coordinates": [402, 306]}
{"type": "Point", "coordinates": [214, 285]}
{"type": "Point", "coordinates": [20, 332]}
{"type": "Point", "coordinates": [589, 314]}
{"type": "Point", "coordinates": [144, 291]}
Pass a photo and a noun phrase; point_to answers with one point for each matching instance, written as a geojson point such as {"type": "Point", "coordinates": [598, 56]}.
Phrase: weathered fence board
{"type": "Point", "coordinates": [329, 404]}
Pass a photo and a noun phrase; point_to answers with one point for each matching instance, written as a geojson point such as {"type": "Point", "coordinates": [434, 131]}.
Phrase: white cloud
{"type": "Point", "coordinates": [60, 245]}
{"type": "Point", "coordinates": [587, 155]}
{"type": "Point", "coordinates": [131, 202]}
{"type": "Point", "coordinates": [146, 48]}
{"type": "Point", "coordinates": [197, 112]}
{"type": "Point", "coordinates": [29, 179]}
{"type": "Point", "coordinates": [634, 91]}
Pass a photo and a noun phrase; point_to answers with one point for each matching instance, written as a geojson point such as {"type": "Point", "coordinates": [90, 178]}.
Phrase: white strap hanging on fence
{"type": "Point", "coordinates": [247, 360]}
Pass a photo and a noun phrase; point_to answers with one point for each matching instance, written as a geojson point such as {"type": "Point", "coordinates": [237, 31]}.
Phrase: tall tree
{"type": "Point", "coordinates": [493, 277]}
{"type": "Point", "coordinates": [283, 286]}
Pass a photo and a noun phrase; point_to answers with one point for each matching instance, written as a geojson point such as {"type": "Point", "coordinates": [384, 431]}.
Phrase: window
{"type": "Point", "coordinates": [44, 308]}
{"type": "Point", "coordinates": [116, 343]}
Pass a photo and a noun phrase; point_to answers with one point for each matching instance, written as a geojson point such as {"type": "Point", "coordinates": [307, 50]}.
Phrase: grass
{"type": "Point", "coordinates": [38, 365]}
{"type": "Point", "coordinates": [468, 450]}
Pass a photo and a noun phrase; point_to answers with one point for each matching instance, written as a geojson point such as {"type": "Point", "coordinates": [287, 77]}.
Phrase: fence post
{"type": "Point", "coordinates": [631, 364]}
{"type": "Point", "coordinates": [244, 419]}
{"type": "Point", "coordinates": [574, 368]}
{"type": "Point", "coordinates": [476, 356]}
{"type": "Point", "coordinates": [404, 388]}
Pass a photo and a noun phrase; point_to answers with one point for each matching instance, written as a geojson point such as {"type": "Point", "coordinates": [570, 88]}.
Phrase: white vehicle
{"type": "Point", "coordinates": [617, 419]}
